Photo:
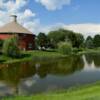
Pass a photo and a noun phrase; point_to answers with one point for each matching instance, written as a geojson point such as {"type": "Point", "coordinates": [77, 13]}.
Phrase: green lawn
{"type": "Point", "coordinates": [91, 92]}
{"type": "Point", "coordinates": [35, 55]}
{"type": "Point", "coordinates": [29, 55]}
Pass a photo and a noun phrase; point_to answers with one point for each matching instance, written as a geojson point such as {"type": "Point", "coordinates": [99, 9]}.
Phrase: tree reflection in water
{"type": "Point", "coordinates": [61, 67]}
{"type": "Point", "coordinates": [12, 74]}
{"type": "Point", "coordinates": [92, 57]}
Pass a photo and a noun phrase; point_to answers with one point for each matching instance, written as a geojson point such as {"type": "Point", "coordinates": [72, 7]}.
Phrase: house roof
{"type": "Point", "coordinates": [14, 27]}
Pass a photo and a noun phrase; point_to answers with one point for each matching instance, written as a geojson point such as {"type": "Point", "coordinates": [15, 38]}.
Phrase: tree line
{"type": "Point", "coordinates": [92, 42]}
{"type": "Point", "coordinates": [52, 39]}
{"type": "Point", "coordinates": [77, 40]}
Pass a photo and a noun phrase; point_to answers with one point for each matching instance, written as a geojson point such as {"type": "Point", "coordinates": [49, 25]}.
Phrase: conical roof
{"type": "Point", "coordinates": [14, 27]}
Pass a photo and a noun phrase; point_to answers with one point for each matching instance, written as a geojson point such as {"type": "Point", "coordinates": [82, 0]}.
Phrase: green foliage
{"type": "Point", "coordinates": [72, 38]}
{"type": "Point", "coordinates": [10, 47]}
{"type": "Point", "coordinates": [1, 43]}
{"type": "Point", "coordinates": [76, 39]}
{"type": "Point", "coordinates": [89, 42]}
{"type": "Point", "coordinates": [75, 50]}
{"type": "Point", "coordinates": [96, 40]}
{"type": "Point", "coordinates": [65, 48]}
{"type": "Point", "coordinates": [79, 40]}
{"type": "Point", "coordinates": [62, 35]}
{"type": "Point", "coordinates": [42, 40]}
{"type": "Point", "coordinates": [58, 36]}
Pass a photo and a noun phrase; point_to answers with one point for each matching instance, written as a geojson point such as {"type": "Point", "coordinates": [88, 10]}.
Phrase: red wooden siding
{"type": "Point", "coordinates": [5, 36]}
{"type": "Point", "coordinates": [26, 41]}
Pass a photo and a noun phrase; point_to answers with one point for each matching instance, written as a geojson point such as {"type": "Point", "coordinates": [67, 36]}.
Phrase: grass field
{"type": "Point", "coordinates": [90, 92]}
{"type": "Point", "coordinates": [31, 55]}
{"type": "Point", "coordinates": [35, 55]}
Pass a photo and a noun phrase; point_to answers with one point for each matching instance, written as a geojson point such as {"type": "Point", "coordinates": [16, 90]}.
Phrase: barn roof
{"type": "Point", "coordinates": [14, 27]}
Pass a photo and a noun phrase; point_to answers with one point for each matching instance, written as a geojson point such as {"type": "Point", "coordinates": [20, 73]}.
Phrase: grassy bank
{"type": "Point", "coordinates": [32, 55]}
{"type": "Point", "coordinates": [90, 92]}
{"type": "Point", "coordinates": [42, 55]}
{"type": "Point", "coordinates": [92, 51]}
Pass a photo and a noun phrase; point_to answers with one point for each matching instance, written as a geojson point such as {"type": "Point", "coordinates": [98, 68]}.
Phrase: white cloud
{"type": "Point", "coordinates": [34, 26]}
{"type": "Point", "coordinates": [26, 17]}
{"type": "Point", "coordinates": [29, 13]}
{"type": "Point", "coordinates": [4, 17]}
{"type": "Point", "coordinates": [86, 29]}
{"type": "Point", "coordinates": [11, 6]}
{"type": "Point", "coordinates": [46, 29]}
{"type": "Point", "coordinates": [54, 4]}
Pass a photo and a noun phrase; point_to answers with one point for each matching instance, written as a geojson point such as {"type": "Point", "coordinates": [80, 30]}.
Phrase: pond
{"type": "Point", "coordinates": [32, 77]}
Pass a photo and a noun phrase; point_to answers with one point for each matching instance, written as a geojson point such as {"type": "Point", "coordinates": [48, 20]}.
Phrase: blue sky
{"type": "Point", "coordinates": [78, 11]}
{"type": "Point", "coordinates": [44, 15]}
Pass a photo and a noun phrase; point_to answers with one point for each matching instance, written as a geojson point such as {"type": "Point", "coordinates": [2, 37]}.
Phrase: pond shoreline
{"type": "Point", "coordinates": [42, 55]}
{"type": "Point", "coordinates": [32, 55]}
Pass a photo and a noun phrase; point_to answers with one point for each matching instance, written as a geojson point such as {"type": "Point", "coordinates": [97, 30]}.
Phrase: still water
{"type": "Point", "coordinates": [48, 75]}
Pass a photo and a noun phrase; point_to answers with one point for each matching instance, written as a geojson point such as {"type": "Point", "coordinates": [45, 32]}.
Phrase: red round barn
{"type": "Point", "coordinates": [26, 38]}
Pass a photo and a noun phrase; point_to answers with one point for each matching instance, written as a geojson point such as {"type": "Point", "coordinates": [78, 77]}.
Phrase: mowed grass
{"type": "Point", "coordinates": [44, 53]}
{"type": "Point", "coordinates": [31, 55]}
{"type": "Point", "coordinates": [91, 92]}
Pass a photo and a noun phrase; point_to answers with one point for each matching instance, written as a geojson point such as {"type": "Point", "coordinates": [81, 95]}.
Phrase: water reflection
{"type": "Point", "coordinates": [93, 58]}
{"type": "Point", "coordinates": [12, 73]}
{"type": "Point", "coordinates": [44, 75]}
{"type": "Point", "coordinates": [61, 67]}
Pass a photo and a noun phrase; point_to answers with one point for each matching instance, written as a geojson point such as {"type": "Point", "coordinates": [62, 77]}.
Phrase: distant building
{"type": "Point", "coordinates": [25, 37]}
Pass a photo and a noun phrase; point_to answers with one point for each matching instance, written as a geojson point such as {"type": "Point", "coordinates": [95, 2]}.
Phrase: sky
{"type": "Point", "coordinates": [45, 15]}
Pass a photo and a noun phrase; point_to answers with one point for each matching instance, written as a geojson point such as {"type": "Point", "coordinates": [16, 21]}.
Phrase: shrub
{"type": "Point", "coordinates": [10, 47]}
{"type": "Point", "coordinates": [1, 43]}
{"type": "Point", "coordinates": [65, 48]}
{"type": "Point", "coordinates": [76, 50]}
